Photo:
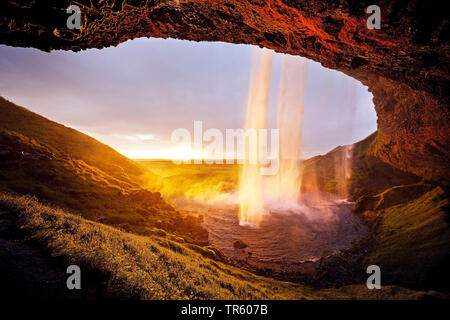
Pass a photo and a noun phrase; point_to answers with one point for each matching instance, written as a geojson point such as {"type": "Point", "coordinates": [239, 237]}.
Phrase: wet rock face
{"type": "Point", "coordinates": [405, 63]}
{"type": "Point", "coordinates": [413, 130]}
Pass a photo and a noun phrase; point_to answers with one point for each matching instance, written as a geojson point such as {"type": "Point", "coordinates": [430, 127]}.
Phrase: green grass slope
{"type": "Point", "coordinates": [411, 243]}
{"type": "Point", "coordinates": [408, 216]}
{"type": "Point", "coordinates": [64, 167]}
{"type": "Point", "coordinates": [154, 267]}
{"type": "Point", "coordinates": [352, 172]}
{"type": "Point", "coordinates": [61, 140]}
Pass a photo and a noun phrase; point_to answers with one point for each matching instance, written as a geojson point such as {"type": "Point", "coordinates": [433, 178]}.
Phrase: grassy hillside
{"type": "Point", "coordinates": [411, 243]}
{"type": "Point", "coordinates": [352, 171]}
{"type": "Point", "coordinates": [408, 216]}
{"type": "Point", "coordinates": [60, 140]}
{"type": "Point", "coordinates": [62, 166]}
{"type": "Point", "coordinates": [154, 267]}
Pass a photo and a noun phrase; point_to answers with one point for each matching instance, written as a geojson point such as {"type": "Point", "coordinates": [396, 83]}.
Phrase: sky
{"type": "Point", "coordinates": [133, 96]}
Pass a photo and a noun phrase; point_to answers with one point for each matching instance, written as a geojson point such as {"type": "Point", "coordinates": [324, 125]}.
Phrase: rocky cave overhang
{"type": "Point", "coordinates": [405, 64]}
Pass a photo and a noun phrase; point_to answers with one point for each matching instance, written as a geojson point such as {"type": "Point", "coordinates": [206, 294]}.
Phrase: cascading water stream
{"type": "Point", "coordinates": [251, 189]}
{"type": "Point", "coordinates": [281, 189]}
{"type": "Point", "coordinates": [284, 187]}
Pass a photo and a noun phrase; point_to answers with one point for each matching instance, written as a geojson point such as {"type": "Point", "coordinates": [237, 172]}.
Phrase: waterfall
{"type": "Point", "coordinates": [251, 189]}
{"type": "Point", "coordinates": [284, 188]}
